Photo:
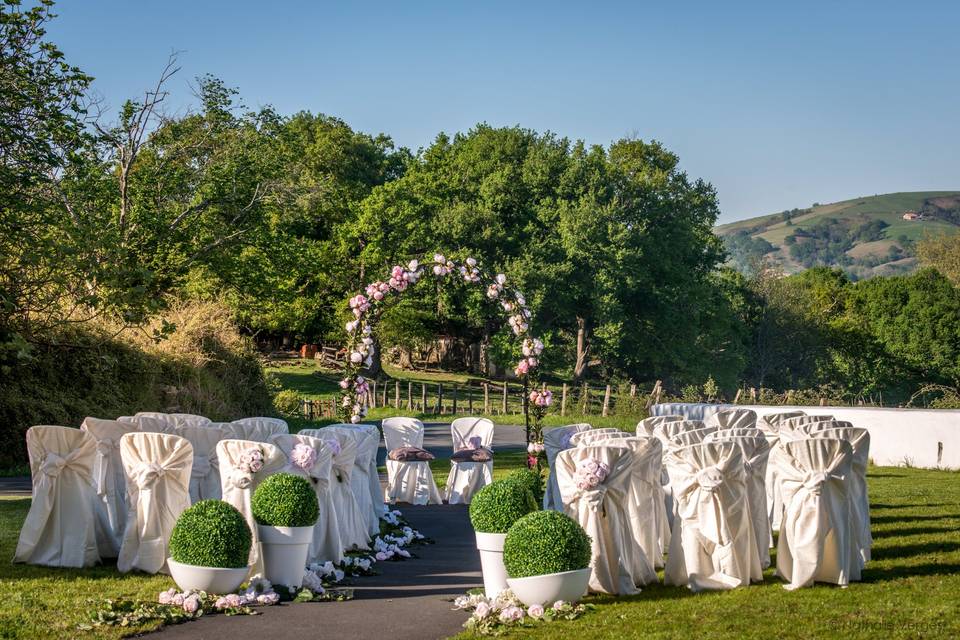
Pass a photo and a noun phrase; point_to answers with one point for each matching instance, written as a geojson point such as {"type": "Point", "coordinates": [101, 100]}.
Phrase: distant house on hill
{"type": "Point", "coordinates": [912, 215]}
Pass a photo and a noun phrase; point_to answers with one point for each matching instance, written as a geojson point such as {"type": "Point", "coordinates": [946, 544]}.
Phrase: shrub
{"type": "Point", "coordinates": [287, 402]}
{"type": "Point", "coordinates": [285, 500]}
{"type": "Point", "coordinates": [499, 504]}
{"type": "Point", "coordinates": [529, 479]}
{"type": "Point", "coordinates": [211, 533]}
{"type": "Point", "coordinates": [545, 542]}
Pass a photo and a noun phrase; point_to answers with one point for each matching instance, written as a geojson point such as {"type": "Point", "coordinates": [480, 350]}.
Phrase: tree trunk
{"type": "Point", "coordinates": [583, 350]}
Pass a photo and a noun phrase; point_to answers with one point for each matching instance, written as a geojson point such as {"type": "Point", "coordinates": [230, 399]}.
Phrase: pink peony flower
{"type": "Point", "coordinates": [482, 610]}
{"type": "Point", "coordinates": [523, 367]}
{"type": "Point", "coordinates": [381, 556]}
{"type": "Point", "coordinates": [535, 611]}
{"type": "Point", "coordinates": [268, 598]}
{"type": "Point", "coordinates": [166, 597]}
{"type": "Point", "coordinates": [558, 605]}
{"type": "Point", "coordinates": [191, 604]}
{"type": "Point", "coordinates": [303, 456]}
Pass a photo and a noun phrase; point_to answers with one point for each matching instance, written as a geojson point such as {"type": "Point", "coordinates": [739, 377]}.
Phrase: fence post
{"type": "Point", "coordinates": [504, 396]}
{"type": "Point", "coordinates": [383, 398]}
{"type": "Point", "coordinates": [423, 397]}
{"type": "Point", "coordinates": [606, 402]}
{"type": "Point", "coordinates": [486, 398]}
{"type": "Point", "coordinates": [585, 399]}
{"type": "Point", "coordinates": [633, 390]}
{"type": "Point", "coordinates": [470, 397]}
{"type": "Point", "coordinates": [439, 399]}
{"type": "Point", "coordinates": [454, 400]}
{"type": "Point", "coordinates": [373, 396]}
{"type": "Point", "coordinates": [396, 394]}
{"type": "Point", "coordinates": [563, 400]}
{"type": "Point", "coordinates": [409, 396]}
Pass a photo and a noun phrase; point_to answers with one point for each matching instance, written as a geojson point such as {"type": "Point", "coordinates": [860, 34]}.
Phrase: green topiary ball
{"type": "Point", "coordinates": [285, 500]}
{"type": "Point", "coordinates": [498, 505]}
{"type": "Point", "coordinates": [545, 542]}
{"type": "Point", "coordinates": [529, 479]}
{"type": "Point", "coordinates": [211, 533]}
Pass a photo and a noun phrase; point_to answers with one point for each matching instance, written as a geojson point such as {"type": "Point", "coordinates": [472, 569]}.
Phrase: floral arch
{"type": "Point", "coordinates": [367, 307]}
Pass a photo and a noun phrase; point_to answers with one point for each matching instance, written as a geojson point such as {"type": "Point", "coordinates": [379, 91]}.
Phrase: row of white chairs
{"type": "Point", "coordinates": [412, 480]}
{"type": "Point", "coordinates": [706, 496]}
{"type": "Point", "coordinates": [109, 490]}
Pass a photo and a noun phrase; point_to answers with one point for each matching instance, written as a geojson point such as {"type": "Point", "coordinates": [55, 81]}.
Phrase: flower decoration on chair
{"type": "Point", "coordinates": [251, 460]}
{"type": "Point", "coordinates": [303, 456]}
{"type": "Point", "coordinates": [367, 306]}
{"type": "Point", "coordinates": [590, 474]}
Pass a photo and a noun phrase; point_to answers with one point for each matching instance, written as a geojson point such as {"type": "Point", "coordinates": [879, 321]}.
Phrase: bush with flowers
{"type": "Point", "coordinates": [497, 615]}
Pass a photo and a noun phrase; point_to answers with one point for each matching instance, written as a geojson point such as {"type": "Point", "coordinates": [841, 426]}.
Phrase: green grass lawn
{"type": "Point", "coordinates": [911, 588]}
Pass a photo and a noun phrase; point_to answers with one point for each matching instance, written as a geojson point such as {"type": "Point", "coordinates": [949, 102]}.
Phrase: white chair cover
{"type": "Point", "coordinates": [859, 440]}
{"type": "Point", "coordinates": [466, 478]}
{"type": "Point", "coordinates": [646, 426]}
{"type": "Point", "coordinates": [166, 418]}
{"type": "Point", "coordinates": [256, 429]}
{"type": "Point", "coordinates": [554, 441]}
{"type": "Point", "coordinates": [408, 481]}
{"type": "Point", "coordinates": [816, 541]}
{"type": "Point", "coordinates": [368, 442]}
{"type": "Point", "coordinates": [603, 512]}
{"type": "Point", "coordinates": [733, 418]}
{"type": "Point", "coordinates": [575, 437]}
{"type": "Point", "coordinates": [326, 533]}
{"type": "Point", "coordinates": [152, 423]}
{"type": "Point", "coordinates": [713, 544]}
{"type": "Point", "coordinates": [205, 474]}
{"type": "Point", "coordinates": [755, 449]}
{"type": "Point", "coordinates": [189, 420]}
{"type": "Point", "coordinates": [350, 517]}
{"type": "Point", "coordinates": [60, 528]}
{"type": "Point", "coordinates": [109, 482]}
{"type": "Point", "coordinates": [667, 431]}
{"type": "Point", "coordinates": [687, 438]}
{"type": "Point", "coordinates": [803, 424]}
{"type": "Point", "coordinates": [237, 483]}
{"type": "Point", "coordinates": [771, 425]}
{"type": "Point", "coordinates": [646, 505]}
{"type": "Point", "coordinates": [263, 420]}
{"type": "Point", "coordinates": [158, 467]}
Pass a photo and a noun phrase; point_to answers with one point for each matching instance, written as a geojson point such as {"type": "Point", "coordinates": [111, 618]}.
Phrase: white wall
{"type": "Point", "coordinates": [928, 438]}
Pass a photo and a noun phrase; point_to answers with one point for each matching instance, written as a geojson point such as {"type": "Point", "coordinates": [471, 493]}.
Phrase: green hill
{"type": "Point", "coordinates": [865, 236]}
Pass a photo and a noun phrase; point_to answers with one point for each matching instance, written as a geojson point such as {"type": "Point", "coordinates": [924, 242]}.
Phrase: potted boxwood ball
{"type": "Point", "coordinates": [209, 548]}
{"type": "Point", "coordinates": [285, 507]}
{"type": "Point", "coordinates": [493, 509]}
{"type": "Point", "coordinates": [531, 479]}
{"type": "Point", "coordinates": [547, 557]}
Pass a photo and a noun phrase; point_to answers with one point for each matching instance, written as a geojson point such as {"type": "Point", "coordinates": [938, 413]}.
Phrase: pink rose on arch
{"type": "Point", "coordinates": [523, 367]}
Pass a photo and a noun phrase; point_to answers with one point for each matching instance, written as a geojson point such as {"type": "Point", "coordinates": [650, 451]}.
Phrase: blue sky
{"type": "Point", "coordinates": [778, 106]}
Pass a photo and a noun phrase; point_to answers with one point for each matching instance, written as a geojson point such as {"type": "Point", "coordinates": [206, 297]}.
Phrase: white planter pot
{"type": "Point", "coordinates": [210, 579]}
{"type": "Point", "coordinates": [569, 586]}
{"type": "Point", "coordinates": [285, 553]}
{"type": "Point", "coordinates": [490, 546]}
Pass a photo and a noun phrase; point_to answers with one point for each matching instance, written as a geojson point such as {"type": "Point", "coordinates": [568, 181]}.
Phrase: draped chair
{"type": "Point", "coordinates": [326, 543]}
{"type": "Point", "coordinates": [257, 429]}
{"type": "Point", "coordinates": [60, 528]}
{"type": "Point", "coordinates": [667, 431]}
{"type": "Point", "coordinates": [646, 426]}
{"type": "Point", "coordinates": [756, 450]}
{"type": "Point", "coordinates": [576, 437]}
{"type": "Point", "coordinates": [468, 476]}
{"type": "Point", "coordinates": [152, 423]}
{"type": "Point", "coordinates": [687, 438]}
{"type": "Point", "coordinates": [803, 424]}
{"type": "Point", "coordinates": [367, 438]}
{"type": "Point", "coordinates": [190, 420]}
{"type": "Point", "coordinates": [733, 418]}
{"type": "Point", "coordinates": [109, 482]}
{"type": "Point", "coordinates": [554, 441]}
{"type": "Point", "coordinates": [859, 440]}
{"type": "Point", "coordinates": [603, 512]}
{"type": "Point", "coordinates": [354, 532]}
{"type": "Point", "coordinates": [817, 542]}
{"type": "Point", "coordinates": [205, 474]}
{"type": "Point", "coordinates": [238, 482]}
{"type": "Point", "coordinates": [713, 544]}
{"type": "Point", "coordinates": [771, 425]}
{"type": "Point", "coordinates": [277, 422]}
{"type": "Point", "coordinates": [408, 480]}
{"type": "Point", "coordinates": [158, 467]}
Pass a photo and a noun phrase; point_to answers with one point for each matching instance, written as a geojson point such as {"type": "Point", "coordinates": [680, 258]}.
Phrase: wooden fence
{"type": "Point", "coordinates": [492, 399]}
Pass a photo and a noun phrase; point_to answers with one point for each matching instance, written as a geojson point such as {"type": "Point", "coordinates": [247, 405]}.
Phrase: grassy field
{"type": "Point", "coordinates": [911, 589]}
